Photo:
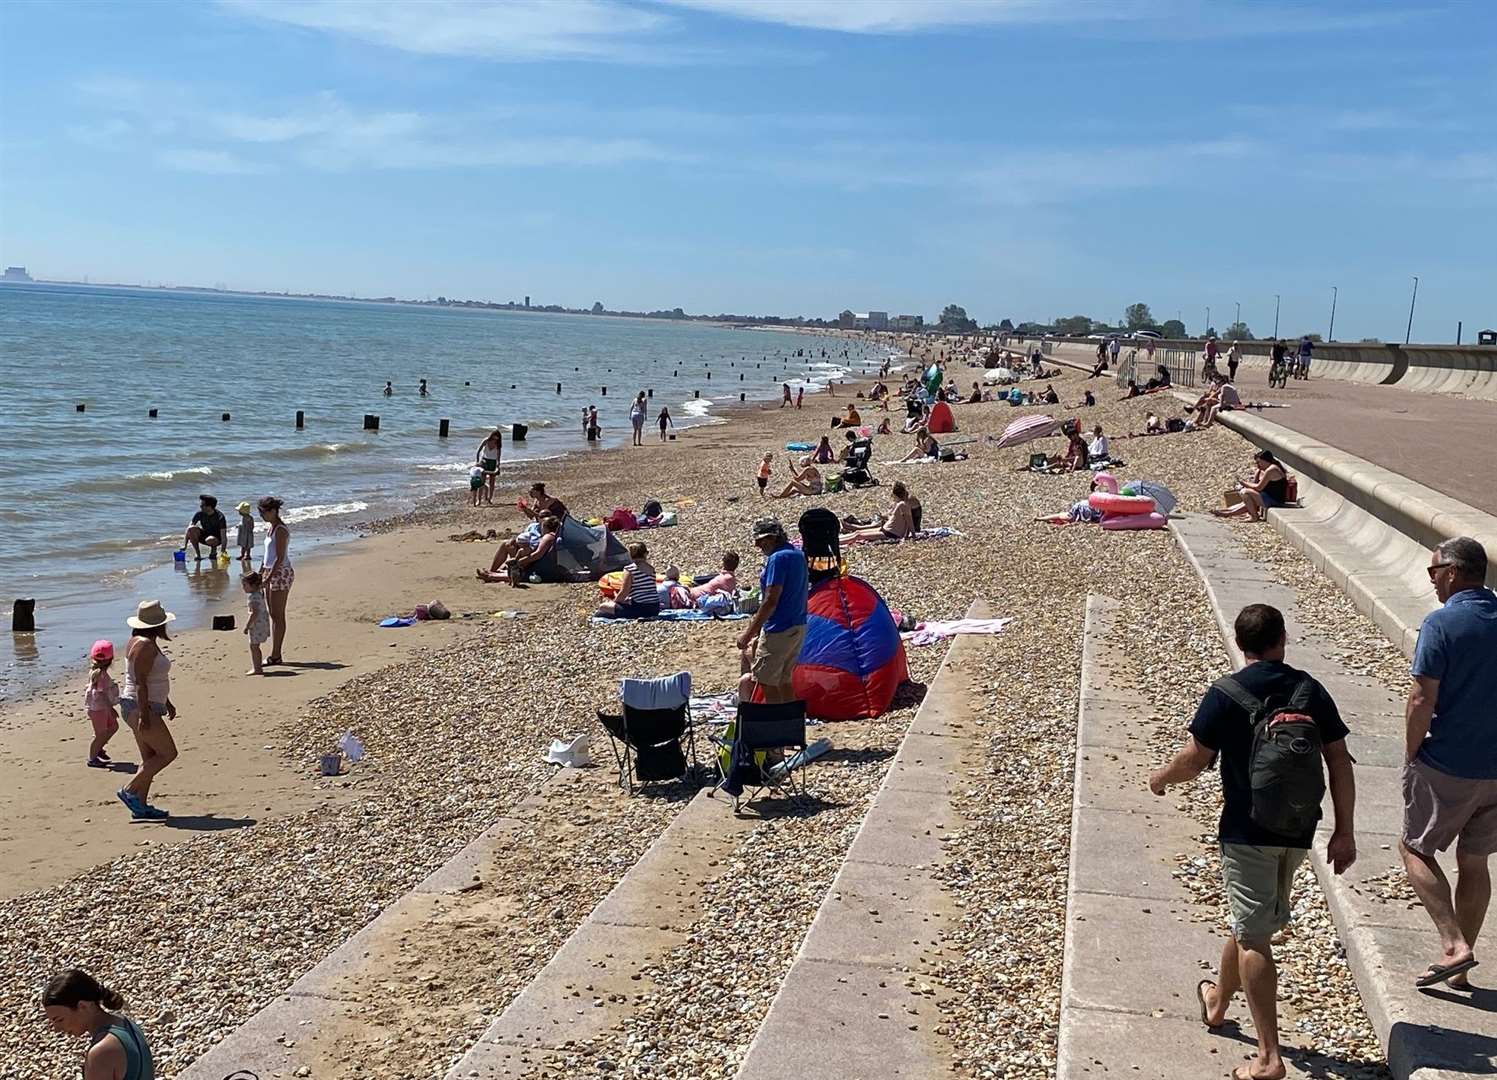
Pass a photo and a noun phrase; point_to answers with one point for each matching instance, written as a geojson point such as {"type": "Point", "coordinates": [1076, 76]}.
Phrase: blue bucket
{"type": "Point", "coordinates": [180, 555]}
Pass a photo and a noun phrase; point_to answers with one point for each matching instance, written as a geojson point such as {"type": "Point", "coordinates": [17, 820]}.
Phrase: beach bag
{"type": "Point", "coordinates": [621, 519]}
{"type": "Point", "coordinates": [746, 601]}
{"type": "Point", "coordinates": [1038, 462]}
{"type": "Point", "coordinates": [653, 509]}
{"type": "Point", "coordinates": [1291, 488]}
{"type": "Point", "coordinates": [833, 483]}
{"type": "Point", "coordinates": [1284, 764]}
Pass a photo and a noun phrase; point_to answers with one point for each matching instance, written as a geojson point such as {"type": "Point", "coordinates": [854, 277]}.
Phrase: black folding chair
{"type": "Point", "coordinates": [653, 737]}
{"type": "Point", "coordinates": [748, 760]}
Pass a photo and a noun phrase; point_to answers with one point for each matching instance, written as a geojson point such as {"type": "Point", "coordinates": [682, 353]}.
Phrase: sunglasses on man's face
{"type": "Point", "coordinates": [1437, 566]}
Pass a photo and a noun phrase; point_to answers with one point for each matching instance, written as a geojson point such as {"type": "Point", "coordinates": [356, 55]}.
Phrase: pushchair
{"type": "Point", "coordinates": [855, 471]}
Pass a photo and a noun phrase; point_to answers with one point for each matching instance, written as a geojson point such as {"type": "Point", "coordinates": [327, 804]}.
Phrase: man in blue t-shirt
{"type": "Point", "coordinates": [1258, 865]}
{"type": "Point", "coordinates": [770, 645]}
{"type": "Point", "coordinates": [1450, 770]}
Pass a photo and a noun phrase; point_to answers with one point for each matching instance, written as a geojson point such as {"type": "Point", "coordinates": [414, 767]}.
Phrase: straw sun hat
{"type": "Point", "coordinates": [149, 614]}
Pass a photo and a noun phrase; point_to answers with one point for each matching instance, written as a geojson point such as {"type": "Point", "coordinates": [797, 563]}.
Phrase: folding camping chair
{"type": "Point", "coordinates": [653, 737]}
{"type": "Point", "coordinates": [744, 759]}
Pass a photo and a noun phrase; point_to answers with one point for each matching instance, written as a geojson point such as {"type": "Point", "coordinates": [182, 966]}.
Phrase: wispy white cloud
{"type": "Point", "coordinates": [213, 162]}
{"type": "Point", "coordinates": [508, 30]}
{"type": "Point", "coordinates": [1167, 19]}
{"type": "Point", "coordinates": [326, 134]}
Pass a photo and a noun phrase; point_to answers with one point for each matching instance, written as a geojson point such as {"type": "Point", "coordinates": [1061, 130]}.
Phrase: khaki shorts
{"type": "Point", "coordinates": [775, 655]}
{"type": "Point", "coordinates": [1439, 808]}
{"type": "Point", "coordinates": [1259, 883]}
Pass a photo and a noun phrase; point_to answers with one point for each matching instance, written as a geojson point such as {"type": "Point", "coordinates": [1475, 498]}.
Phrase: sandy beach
{"type": "Point", "coordinates": [269, 866]}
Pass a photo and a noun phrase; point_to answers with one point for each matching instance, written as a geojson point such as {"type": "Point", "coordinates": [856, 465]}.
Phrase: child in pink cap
{"type": "Point", "coordinates": [101, 700]}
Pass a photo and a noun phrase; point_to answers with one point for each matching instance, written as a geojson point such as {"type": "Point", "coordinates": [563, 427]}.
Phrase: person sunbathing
{"type": "Point", "coordinates": [515, 557]}
{"type": "Point", "coordinates": [806, 481]}
{"type": "Point", "coordinates": [1077, 456]}
{"type": "Point", "coordinates": [899, 525]}
{"type": "Point", "coordinates": [725, 581]}
{"type": "Point", "coordinates": [925, 447]}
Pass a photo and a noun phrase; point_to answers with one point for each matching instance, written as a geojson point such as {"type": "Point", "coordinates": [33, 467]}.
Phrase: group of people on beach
{"type": "Point", "coordinates": [144, 703]}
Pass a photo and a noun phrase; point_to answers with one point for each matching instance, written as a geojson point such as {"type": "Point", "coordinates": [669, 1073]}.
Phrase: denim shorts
{"type": "Point", "coordinates": [1270, 501]}
{"type": "Point", "coordinates": [130, 711]}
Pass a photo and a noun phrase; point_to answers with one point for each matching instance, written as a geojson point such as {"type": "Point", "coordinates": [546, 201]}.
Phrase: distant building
{"type": "Point", "coordinates": [846, 320]}
{"type": "Point", "coordinates": [527, 301]}
{"type": "Point", "coordinates": [906, 323]}
{"type": "Point", "coordinates": [878, 320]}
{"type": "Point", "coordinates": [16, 273]}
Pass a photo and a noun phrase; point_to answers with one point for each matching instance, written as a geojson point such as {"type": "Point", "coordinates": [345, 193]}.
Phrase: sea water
{"type": "Point", "coordinates": [93, 503]}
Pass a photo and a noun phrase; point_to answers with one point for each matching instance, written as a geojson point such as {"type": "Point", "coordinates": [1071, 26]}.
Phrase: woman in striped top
{"type": "Point", "coordinates": [638, 597]}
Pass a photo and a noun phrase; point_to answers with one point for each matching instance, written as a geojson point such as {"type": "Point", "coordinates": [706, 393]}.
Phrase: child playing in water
{"type": "Point", "coordinates": [257, 622]}
{"type": "Point", "coordinates": [102, 697]}
{"type": "Point", "coordinates": [246, 537]}
{"type": "Point", "coordinates": [764, 470]}
{"type": "Point", "coordinates": [475, 483]}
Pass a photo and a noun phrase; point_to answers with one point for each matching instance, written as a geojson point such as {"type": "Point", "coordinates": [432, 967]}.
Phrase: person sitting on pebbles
{"type": "Point", "coordinates": [899, 525]}
{"type": "Point", "coordinates": [513, 560]}
{"type": "Point", "coordinates": [638, 596]}
{"type": "Point", "coordinates": [805, 481]}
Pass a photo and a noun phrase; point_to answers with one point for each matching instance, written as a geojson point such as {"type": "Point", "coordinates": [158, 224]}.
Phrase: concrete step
{"type": "Point", "coordinates": [590, 984]}
{"type": "Point", "coordinates": [855, 1002]}
{"type": "Point", "coordinates": [1388, 938]}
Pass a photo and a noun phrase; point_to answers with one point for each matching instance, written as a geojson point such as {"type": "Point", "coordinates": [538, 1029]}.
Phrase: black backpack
{"type": "Point", "coordinates": [1284, 764]}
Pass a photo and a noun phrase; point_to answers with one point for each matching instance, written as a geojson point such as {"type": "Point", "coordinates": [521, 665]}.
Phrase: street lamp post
{"type": "Point", "coordinates": [1330, 334]}
{"type": "Point", "coordinates": [1276, 316]}
{"type": "Point", "coordinates": [1238, 321]}
{"type": "Point", "coordinates": [1410, 331]}
{"type": "Point", "coordinates": [1207, 330]}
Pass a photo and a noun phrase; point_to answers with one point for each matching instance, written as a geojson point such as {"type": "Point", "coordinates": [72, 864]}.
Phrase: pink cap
{"type": "Point", "coordinates": [101, 650]}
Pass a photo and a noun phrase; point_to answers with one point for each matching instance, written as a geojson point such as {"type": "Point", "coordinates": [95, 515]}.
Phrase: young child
{"type": "Point", "coordinates": [102, 697]}
{"type": "Point", "coordinates": [475, 483]}
{"type": "Point", "coordinates": [764, 470]}
{"type": "Point", "coordinates": [246, 536]}
{"type": "Point", "coordinates": [257, 622]}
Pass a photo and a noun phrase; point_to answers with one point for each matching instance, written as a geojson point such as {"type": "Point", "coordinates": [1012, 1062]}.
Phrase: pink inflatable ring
{"type": "Point", "coordinates": [1120, 505]}
{"type": "Point", "coordinates": [1134, 521]}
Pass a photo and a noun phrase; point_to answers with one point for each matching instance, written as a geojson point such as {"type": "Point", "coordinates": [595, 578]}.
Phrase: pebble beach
{"type": "Point", "coordinates": [201, 934]}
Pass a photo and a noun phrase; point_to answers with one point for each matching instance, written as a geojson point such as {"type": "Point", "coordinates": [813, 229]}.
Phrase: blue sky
{"type": "Point", "coordinates": [1024, 159]}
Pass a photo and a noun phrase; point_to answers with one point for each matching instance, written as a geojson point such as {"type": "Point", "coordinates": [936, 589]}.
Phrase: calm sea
{"type": "Point", "coordinates": [92, 504]}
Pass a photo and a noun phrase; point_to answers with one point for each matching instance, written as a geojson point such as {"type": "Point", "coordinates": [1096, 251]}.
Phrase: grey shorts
{"type": "Point", "coordinates": [1439, 809]}
{"type": "Point", "coordinates": [130, 711]}
{"type": "Point", "coordinates": [1260, 883]}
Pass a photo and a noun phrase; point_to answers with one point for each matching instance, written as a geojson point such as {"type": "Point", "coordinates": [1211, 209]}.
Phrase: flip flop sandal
{"type": "Point", "coordinates": [1201, 997]}
{"type": "Point", "coordinates": [1437, 973]}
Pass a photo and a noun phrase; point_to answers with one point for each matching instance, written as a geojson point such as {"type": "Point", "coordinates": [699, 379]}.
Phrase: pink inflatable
{"type": "Point", "coordinates": [1105, 482]}
{"type": "Point", "coordinates": [1109, 503]}
{"type": "Point", "coordinates": [1134, 521]}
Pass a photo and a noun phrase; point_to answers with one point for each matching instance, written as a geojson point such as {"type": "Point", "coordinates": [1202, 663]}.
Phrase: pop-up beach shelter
{"type": "Point", "coordinates": [853, 660]}
{"type": "Point", "coordinates": [582, 553]}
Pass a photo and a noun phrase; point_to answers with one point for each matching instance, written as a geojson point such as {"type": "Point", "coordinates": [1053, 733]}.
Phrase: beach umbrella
{"type": "Point", "coordinates": [1027, 429]}
{"type": "Point", "coordinates": [1164, 499]}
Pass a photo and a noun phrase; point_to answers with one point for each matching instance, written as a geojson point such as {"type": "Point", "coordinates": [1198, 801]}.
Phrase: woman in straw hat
{"type": "Point", "coordinates": [146, 705]}
{"type": "Point", "coordinates": [276, 572]}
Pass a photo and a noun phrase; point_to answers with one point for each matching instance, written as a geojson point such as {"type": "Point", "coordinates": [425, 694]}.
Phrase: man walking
{"type": "Point", "coordinates": [1235, 719]}
{"type": "Point", "coordinates": [1450, 775]}
{"type": "Point", "coordinates": [770, 645]}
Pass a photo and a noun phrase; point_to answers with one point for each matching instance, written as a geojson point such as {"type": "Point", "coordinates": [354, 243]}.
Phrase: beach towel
{"type": "Point", "coordinates": [666, 692]}
{"type": "Point", "coordinates": [932, 631]}
{"type": "Point", "coordinates": [715, 708]}
{"type": "Point", "coordinates": [939, 532]}
{"type": "Point", "coordinates": [673, 615]}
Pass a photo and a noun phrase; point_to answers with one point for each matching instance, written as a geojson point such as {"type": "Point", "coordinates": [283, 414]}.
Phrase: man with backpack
{"type": "Point", "coordinates": [1271, 725]}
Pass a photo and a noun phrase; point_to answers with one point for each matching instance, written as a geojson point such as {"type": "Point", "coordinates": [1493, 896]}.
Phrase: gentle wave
{"type": "Point", "coordinates": [167, 475]}
{"type": "Point", "coordinates": [696, 407]}
{"type": "Point", "coordinates": [316, 450]}
{"type": "Point", "coordinates": [446, 466]}
{"type": "Point", "coordinates": [322, 510]}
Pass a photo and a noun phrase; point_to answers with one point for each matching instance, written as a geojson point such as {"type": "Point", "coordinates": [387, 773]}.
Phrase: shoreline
{"type": "Point", "coordinates": [68, 614]}
{"type": "Point", "coordinates": [345, 584]}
